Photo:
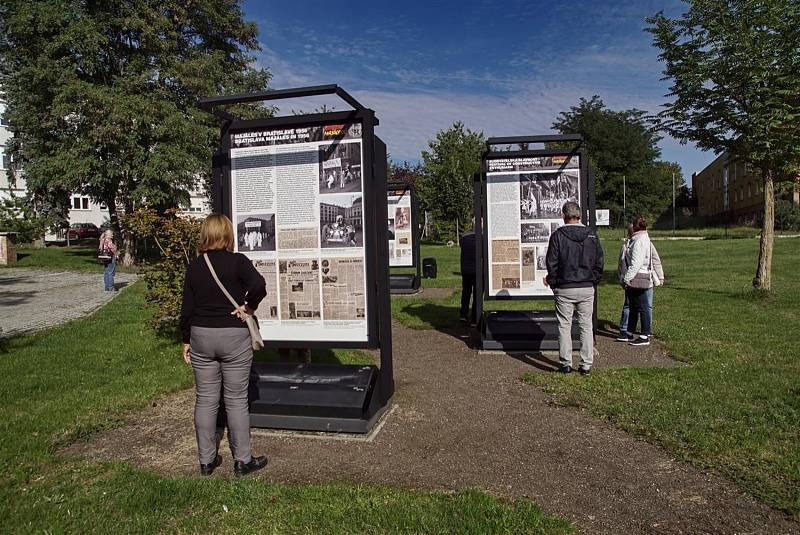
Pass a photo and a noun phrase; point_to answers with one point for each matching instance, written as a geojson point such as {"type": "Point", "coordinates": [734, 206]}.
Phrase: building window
{"type": "Point", "coordinates": [80, 202]}
{"type": "Point", "coordinates": [6, 161]}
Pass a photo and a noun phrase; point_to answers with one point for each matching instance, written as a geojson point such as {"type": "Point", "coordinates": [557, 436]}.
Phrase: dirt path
{"type": "Point", "coordinates": [464, 419]}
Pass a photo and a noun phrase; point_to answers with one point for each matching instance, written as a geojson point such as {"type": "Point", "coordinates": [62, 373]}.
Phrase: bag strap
{"type": "Point", "coordinates": [216, 279]}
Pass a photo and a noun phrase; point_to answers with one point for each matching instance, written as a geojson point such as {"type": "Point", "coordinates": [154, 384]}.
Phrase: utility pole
{"type": "Point", "coordinates": [624, 204]}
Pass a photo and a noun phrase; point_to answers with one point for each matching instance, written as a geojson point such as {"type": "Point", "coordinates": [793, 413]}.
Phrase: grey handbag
{"type": "Point", "coordinates": [251, 321]}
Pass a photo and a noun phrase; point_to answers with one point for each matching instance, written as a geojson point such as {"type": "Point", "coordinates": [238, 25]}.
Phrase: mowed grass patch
{"type": "Point", "coordinates": [81, 257]}
{"type": "Point", "coordinates": [73, 381]}
{"type": "Point", "coordinates": [736, 409]}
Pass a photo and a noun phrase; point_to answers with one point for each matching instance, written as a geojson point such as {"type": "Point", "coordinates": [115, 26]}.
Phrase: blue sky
{"type": "Point", "coordinates": [504, 68]}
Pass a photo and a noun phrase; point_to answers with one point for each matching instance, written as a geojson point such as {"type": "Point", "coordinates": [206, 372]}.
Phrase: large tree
{"type": "Point", "coordinates": [735, 88]}
{"type": "Point", "coordinates": [450, 163]}
{"type": "Point", "coordinates": [101, 94]}
{"type": "Point", "coordinates": [623, 154]}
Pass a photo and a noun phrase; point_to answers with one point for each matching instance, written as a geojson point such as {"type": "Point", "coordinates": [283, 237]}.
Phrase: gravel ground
{"type": "Point", "coordinates": [33, 299]}
{"type": "Point", "coordinates": [463, 419]}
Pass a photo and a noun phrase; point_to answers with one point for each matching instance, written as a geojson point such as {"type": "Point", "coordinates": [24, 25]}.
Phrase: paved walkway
{"type": "Point", "coordinates": [462, 420]}
{"type": "Point", "coordinates": [33, 299]}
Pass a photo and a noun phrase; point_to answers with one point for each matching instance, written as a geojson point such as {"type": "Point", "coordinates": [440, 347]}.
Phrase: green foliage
{"type": "Point", "coordinates": [622, 144]}
{"type": "Point", "coordinates": [446, 187]}
{"type": "Point", "coordinates": [787, 215]}
{"type": "Point", "coordinates": [176, 239]}
{"type": "Point", "coordinates": [733, 67]}
{"type": "Point", "coordinates": [735, 88]}
{"type": "Point", "coordinates": [17, 216]}
{"type": "Point", "coordinates": [101, 95]}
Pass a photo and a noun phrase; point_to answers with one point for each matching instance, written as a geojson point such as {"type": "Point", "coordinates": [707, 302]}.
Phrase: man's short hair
{"type": "Point", "coordinates": [571, 210]}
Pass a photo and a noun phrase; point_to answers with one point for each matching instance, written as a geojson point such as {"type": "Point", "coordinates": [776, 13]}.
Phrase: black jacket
{"type": "Point", "coordinates": [574, 258]}
{"type": "Point", "coordinates": [467, 243]}
{"type": "Point", "coordinates": [204, 304]}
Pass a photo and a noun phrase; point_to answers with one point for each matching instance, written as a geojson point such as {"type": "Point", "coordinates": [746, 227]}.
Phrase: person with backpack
{"type": "Point", "coordinates": [642, 273]}
{"type": "Point", "coordinates": [574, 268]}
{"type": "Point", "coordinates": [107, 253]}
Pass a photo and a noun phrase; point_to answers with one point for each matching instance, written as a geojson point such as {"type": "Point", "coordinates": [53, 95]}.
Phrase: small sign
{"type": "Point", "coordinates": [602, 217]}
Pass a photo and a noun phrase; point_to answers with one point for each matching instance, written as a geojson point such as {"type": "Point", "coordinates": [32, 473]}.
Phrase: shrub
{"type": "Point", "coordinates": [176, 239]}
{"type": "Point", "coordinates": [16, 216]}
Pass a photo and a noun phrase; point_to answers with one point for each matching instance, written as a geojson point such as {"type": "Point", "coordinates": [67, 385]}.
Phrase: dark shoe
{"type": "Point", "coordinates": [256, 463]}
{"type": "Point", "coordinates": [584, 371]}
{"type": "Point", "coordinates": [208, 469]}
{"type": "Point", "coordinates": [463, 319]}
{"type": "Point", "coordinates": [625, 337]}
{"type": "Point", "coordinates": [641, 341]}
{"type": "Point", "coordinates": [565, 369]}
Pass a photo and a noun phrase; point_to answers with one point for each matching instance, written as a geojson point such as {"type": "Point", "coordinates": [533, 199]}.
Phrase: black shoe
{"type": "Point", "coordinates": [584, 371]}
{"type": "Point", "coordinates": [565, 369]}
{"type": "Point", "coordinates": [463, 319]}
{"type": "Point", "coordinates": [208, 469]}
{"type": "Point", "coordinates": [641, 341]}
{"type": "Point", "coordinates": [256, 463]}
{"type": "Point", "coordinates": [625, 338]}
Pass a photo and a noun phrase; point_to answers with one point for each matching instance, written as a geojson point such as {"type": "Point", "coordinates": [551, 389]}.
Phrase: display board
{"type": "Point", "coordinates": [524, 196]}
{"type": "Point", "coordinates": [401, 232]}
{"type": "Point", "coordinates": [297, 205]}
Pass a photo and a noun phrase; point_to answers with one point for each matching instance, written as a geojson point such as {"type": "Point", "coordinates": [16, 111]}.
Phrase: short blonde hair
{"type": "Point", "coordinates": [216, 233]}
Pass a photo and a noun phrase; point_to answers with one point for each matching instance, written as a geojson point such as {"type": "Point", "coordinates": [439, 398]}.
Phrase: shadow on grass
{"type": "Point", "coordinates": [444, 319]}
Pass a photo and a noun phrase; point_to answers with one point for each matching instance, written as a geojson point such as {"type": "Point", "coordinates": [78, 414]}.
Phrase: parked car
{"type": "Point", "coordinates": [81, 231]}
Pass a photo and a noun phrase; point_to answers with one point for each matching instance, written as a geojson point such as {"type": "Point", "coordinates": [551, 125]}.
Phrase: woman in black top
{"type": "Point", "coordinates": [217, 344]}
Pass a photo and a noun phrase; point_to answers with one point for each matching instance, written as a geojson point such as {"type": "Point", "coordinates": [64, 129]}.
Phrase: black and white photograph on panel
{"type": "Point", "coordinates": [541, 258]}
{"type": "Point", "coordinates": [340, 168]}
{"type": "Point", "coordinates": [534, 232]}
{"type": "Point", "coordinates": [255, 232]}
{"type": "Point", "coordinates": [541, 195]}
{"type": "Point", "coordinates": [402, 218]}
{"type": "Point", "coordinates": [340, 220]}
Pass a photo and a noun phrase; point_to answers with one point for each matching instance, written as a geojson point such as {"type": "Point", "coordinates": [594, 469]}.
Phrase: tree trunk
{"type": "Point", "coordinates": [763, 278]}
{"type": "Point", "coordinates": [128, 242]}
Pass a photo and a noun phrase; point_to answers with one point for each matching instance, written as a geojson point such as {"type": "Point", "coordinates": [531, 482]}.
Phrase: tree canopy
{"type": "Point", "coordinates": [452, 159]}
{"type": "Point", "coordinates": [101, 95]}
{"type": "Point", "coordinates": [735, 88]}
{"type": "Point", "coordinates": [622, 144]}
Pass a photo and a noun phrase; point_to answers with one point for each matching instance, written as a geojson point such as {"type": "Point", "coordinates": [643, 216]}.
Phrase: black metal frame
{"type": "Point", "coordinates": [480, 199]}
{"type": "Point", "coordinates": [417, 236]}
{"type": "Point", "coordinates": [378, 305]}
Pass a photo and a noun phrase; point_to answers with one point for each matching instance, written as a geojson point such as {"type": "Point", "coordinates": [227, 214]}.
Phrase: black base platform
{"type": "Point", "coordinates": [404, 284]}
{"type": "Point", "coordinates": [523, 331]}
{"type": "Point", "coordinates": [334, 398]}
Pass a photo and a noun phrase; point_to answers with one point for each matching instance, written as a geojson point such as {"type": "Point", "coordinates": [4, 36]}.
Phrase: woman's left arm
{"type": "Point", "coordinates": [254, 284]}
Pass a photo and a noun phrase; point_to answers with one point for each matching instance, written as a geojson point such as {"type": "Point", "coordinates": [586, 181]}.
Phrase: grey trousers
{"type": "Point", "coordinates": [221, 357]}
{"type": "Point", "coordinates": [568, 300]}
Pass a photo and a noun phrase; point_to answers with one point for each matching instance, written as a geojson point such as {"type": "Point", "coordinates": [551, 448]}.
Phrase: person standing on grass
{"type": "Point", "coordinates": [657, 277]}
{"type": "Point", "coordinates": [574, 268]}
{"type": "Point", "coordinates": [467, 244]}
{"type": "Point", "coordinates": [642, 273]}
{"type": "Point", "coordinates": [217, 343]}
{"type": "Point", "coordinates": [107, 246]}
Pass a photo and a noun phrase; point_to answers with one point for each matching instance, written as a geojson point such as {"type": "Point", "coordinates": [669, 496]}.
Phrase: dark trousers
{"type": "Point", "coordinates": [467, 291]}
{"type": "Point", "coordinates": [639, 303]}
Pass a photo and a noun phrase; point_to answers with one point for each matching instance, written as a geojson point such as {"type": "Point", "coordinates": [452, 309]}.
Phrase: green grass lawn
{"type": "Point", "coordinates": [81, 257]}
{"type": "Point", "coordinates": [73, 381]}
{"type": "Point", "coordinates": [736, 409]}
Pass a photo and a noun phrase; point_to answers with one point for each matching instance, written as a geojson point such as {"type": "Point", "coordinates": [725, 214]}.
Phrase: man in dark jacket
{"type": "Point", "coordinates": [467, 244]}
{"type": "Point", "coordinates": [574, 268]}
